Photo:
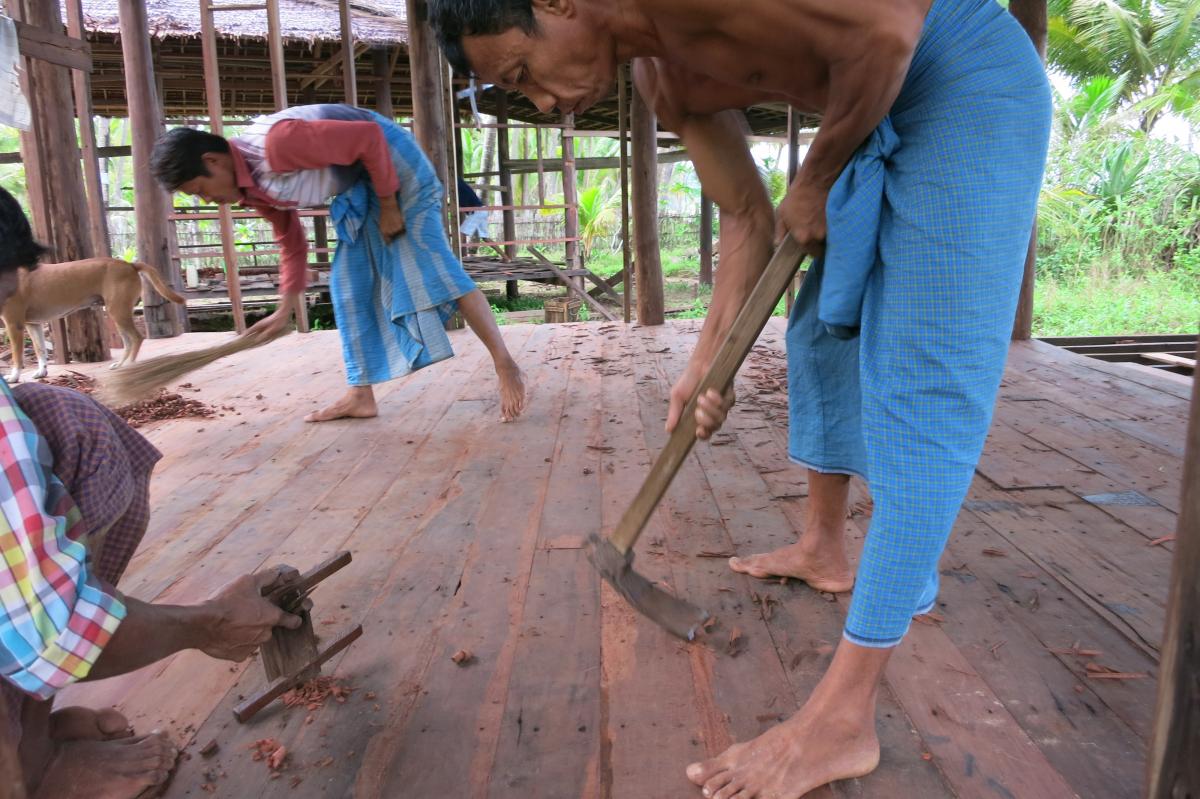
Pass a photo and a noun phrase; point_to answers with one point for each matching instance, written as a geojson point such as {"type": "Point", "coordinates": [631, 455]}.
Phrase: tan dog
{"type": "Point", "coordinates": [54, 290]}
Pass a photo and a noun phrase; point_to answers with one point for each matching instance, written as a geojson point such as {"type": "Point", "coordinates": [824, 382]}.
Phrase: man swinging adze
{"type": "Point", "coordinates": [917, 196]}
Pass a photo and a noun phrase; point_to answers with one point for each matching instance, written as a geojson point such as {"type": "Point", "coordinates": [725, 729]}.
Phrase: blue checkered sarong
{"type": "Point", "coordinates": [392, 300]}
{"type": "Point", "coordinates": [897, 342]}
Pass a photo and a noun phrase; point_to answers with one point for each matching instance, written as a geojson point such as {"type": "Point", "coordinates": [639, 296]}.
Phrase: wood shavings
{"type": "Point", "coordinates": [314, 693]}
{"type": "Point", "coordinates": [1160, 541]}
{"type": "Point", "coordinates": [209, 749]}
{"type": "Point", "coordinates": [165, 405]}
{"type": "Point", "coordinates": [462, 657]}
{"type": "Point", "coordinates": [708, 553]}
{"type": "Point", "coordinates": [1074, 649]}
{"type": "Point", "coordinates": [736, 644]}
{"type": "Point", "coordinates": [1096, 671]}
{"type": "Point", "coordinates": [324, 762]}
{"type": "Point", "coordinates": [270, 751]}
{"type": "Point", "coordinates": [766, 604]}
{"type": "Point", "coordinates": [994, 553]}
{"type": "Point", "coordinates": [930, 618]}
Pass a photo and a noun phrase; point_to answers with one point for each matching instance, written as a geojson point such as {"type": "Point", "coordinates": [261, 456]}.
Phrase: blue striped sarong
{"type": "Point", "coordinates": [391, 301]}
{"type": "Point", "coordinates": [897, 342]}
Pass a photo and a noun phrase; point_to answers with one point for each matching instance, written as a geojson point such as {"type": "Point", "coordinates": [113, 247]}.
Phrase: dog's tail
{"type": "Point", "coordinates": [151, 274]}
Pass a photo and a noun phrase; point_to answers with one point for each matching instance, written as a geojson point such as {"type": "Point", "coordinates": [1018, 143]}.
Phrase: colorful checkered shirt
{"type": "Point", "coordinates": [55, 619]}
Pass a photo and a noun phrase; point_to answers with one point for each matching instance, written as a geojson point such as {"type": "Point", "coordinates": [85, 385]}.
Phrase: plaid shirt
{"type": "Point", "coordinates": [55, 618]}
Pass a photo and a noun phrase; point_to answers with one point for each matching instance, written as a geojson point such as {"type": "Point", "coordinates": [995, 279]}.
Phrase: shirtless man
{"type": "Point", "coordinates": [917, 194]}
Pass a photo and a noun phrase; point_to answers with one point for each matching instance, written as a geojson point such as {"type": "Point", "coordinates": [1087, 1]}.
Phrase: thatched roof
{"type": "Point", "coordinates": [374, 21]}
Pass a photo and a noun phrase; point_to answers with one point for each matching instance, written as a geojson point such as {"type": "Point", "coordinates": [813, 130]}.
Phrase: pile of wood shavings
{"type": "Point", "coordinates": [167, 405]}
{"type": "Point", "coordinates": [314, 693]}
{"type": "Point", "coordinates": [271, 751]}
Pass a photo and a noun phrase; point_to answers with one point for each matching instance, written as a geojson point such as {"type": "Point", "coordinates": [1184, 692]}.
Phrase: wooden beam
{"type": "Point", "coordinates": [706, 241]}
{"type": "Point", "coordinates": [424, 60]}
{"type": "Point", "coordinates": [648, 267]}
{"type": "Point", "coordinates": [1032, 14]}
{"type": "Point", "coordinates": [1173, 769]}
{"type": "Point", "coordinates": [349, 79]}
{"type": "Point", "coordinates": [56, 148]}
{"type": "Point", "coordinates": [793, 165]}
{"type": "Point", "coordinates": [44, 44]}
{"type": "Point", "coordinates": [570, 194]}
{"type": "Point", "coordinates": [511, 289]}
{"type": "Point", "coordinates": [275, 52]}
{"type": "Point", "coordinates": [623, 165]}
{"type": "Point", "coordinates": [526, 166]}
{"type": "Point", "coordinates": [569, 282]}
{"type": "Point", "coordinates": [382, 64]}
{"type": "Point", "coordinates": [212, 83]}
{"type": "Point", "coordinates": [97, 218]}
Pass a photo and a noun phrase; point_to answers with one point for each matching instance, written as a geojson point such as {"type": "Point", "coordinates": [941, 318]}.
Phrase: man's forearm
{"type": "Point", "coordinates": [745, 251]}
{"type": "Point", "coordinates": [150, 633]}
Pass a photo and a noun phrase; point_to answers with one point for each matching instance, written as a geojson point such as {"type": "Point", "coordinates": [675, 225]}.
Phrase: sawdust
{"type": "Point", "coordinates": [270, 751]}
{"type": "Point", "coordinates": [314, 693]}
{"type": "Point", "coordinates": [166, 405]}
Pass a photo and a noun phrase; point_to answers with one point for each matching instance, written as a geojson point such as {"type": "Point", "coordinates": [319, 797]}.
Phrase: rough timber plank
{"type": "Point", "coordinates": [549, 745]}
{"type": "Point", "coordinates": [428, 756]}
{"type": "Point", "coordinates": [410, 551]}
{"type": "Point", "coordinates": [738, 695]}
{"type": "Point", "coordinates": [1062, 711]}
{"type": "Point", "coordinates": [643, 666]}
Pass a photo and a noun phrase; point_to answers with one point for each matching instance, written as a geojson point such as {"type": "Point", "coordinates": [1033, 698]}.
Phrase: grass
{"type": "Point", "coordinates": [1155, 302]}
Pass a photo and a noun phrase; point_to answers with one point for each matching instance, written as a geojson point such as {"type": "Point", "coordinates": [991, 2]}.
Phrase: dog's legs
{"type": "Point", "coordinates": [37, 333]}
{"type": "Point", "coordinates": [16, 340]}
{"type": "Point", "coordinates": [131, 338]}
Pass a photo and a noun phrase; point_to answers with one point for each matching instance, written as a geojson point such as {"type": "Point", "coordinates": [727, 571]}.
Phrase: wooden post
{"type": "Point", "coordinates": [382, 62]}
{"type": "Point", "coordinates": [87, 138]}
{"type": "Point", "coordinates": [706, 241]}
{"type": "Point", "coordinates": [574, 254]}
{"type": "Point", "coordinates": [54, 145]}
{"type": "Point", "coordinates": [275, 49]}
{"type": "Point", "coordinates": [212, 89]}
{"type": "Point", "coordinates": [1172, 763]}
{"type": "Point", "coordinates": [450, 149]}
{"type": "Point", "coordinates": [349, 79]}
{"type": "Point", "coordinates": [623, 137]}
{"type": "Point", "coordinates": [648, 266]}
{"type": "Point", "coordinates": [429, 115]}
{"type": "Point", "coordinates": [1032, 15]}
{"type": "Point", "coordinates": [511, 290]}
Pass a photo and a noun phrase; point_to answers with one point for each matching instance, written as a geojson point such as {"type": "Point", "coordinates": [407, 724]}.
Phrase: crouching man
{"type": "Point", "coordinates": [74, 505]}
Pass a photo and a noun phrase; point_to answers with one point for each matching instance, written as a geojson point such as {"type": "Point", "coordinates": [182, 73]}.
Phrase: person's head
{"type": "Point", "coordinates": [558, 53]}
{"type": "Point", "coordinates": [18, 248]}
{"type": "Point", "coordinates": [195, 162]}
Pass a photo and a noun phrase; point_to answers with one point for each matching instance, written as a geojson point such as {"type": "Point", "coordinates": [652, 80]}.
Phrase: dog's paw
{"type": "Point", "coordinates": [40, 373]}
{"type": "Point", "coordinates": [115, 365]}
{"type": "Point", "coordinates": [12, 377]}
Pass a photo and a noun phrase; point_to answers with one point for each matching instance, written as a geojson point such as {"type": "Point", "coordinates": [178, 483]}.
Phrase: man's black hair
{"type": "Point", "coordinates": [451, 20]}
{"type": "Point", "coordinates": [17, 245]}
{"type": "Point", "coordinates": [179, 155]}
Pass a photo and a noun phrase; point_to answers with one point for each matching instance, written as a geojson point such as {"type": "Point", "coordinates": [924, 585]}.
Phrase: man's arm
{"type": "Point", "coordinates": [718, 149]}
{"type": "Point", "coordinates": [230, 626]}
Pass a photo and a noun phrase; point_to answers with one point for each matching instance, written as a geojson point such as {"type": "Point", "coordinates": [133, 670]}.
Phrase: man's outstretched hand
{"type": "Point", "coordinates": [241, 620]}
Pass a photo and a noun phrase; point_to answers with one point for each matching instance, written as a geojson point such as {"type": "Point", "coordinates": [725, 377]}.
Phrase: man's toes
{"type": "Point", "coordinates": [112, 724]}
{"type": "Point", "coordinates": [702, 772]}
{"type": "Point", "coordinates": [734, 788]}
{"type": "Point", "coordinates": [746, 566]}
{"type": "Point", "coordinates": [714, 784]}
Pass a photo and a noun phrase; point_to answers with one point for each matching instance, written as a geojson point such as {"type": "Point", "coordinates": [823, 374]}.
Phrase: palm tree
{"type": "Point", "coordinates": [1152, 45]}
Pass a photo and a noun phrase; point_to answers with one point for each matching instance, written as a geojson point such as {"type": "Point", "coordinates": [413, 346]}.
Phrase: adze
{"type": "Point", "coordinates": [613, 556]}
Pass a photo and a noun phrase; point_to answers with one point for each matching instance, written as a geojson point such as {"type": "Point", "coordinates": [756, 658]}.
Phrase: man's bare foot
{"type": "Point", "coordinates": [809, 750]}
{"type": "Point", "coordinates": [822, 571]}
{"type": "Point", "coordinates": [356, 403]}
{"type": "Point", "coordinates": [120, 769]}
{"type": "Point", "coordinates": [77, 723]}
{"type": "Point", "coordinates": [512, 391]}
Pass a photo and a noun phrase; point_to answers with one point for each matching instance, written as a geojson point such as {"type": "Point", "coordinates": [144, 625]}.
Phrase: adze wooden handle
{"type": "Point", "coordinates": [738, 342]}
